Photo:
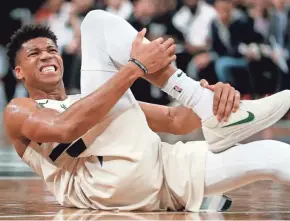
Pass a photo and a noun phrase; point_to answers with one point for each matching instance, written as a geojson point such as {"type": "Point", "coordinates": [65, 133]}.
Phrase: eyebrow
{"type": "Point", "coordinates": [35, 48]}
{"type": "Point", "coordinates": [51, 46]}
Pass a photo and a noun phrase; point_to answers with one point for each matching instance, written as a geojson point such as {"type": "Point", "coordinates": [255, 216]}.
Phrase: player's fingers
{"type": "Point", "coordinates": [168, 43]}
{"type": "Point", "coordinates": [173, 58]}
{"type": "Point", "coordinates": [204, 83]}
{"type": "Point", "coordinates": [158, 41]}
{"type": "Point", "coordinates": [223, 103]}
{"type": "Point", "coordinates": [170, 60]}
{"type": "Point", "coordinates": [171, 50]}
{"type": "Point", "coordinates": [237, 100]}
{"type": "Point", "coordinates": [211, 87]}
{"type": "Point", "coordinates": [140, 36]}
{"type": "Point", "coordinates": [217, 96]}
{"type": "Point", "coordinates": [230, 103]}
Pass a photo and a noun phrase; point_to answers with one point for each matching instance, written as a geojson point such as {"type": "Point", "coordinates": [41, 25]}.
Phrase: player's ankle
{"type": "Point", "coordinates": [190, 93]}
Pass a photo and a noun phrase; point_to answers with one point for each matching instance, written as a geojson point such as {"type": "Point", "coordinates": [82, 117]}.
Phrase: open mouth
{"type": "Point", "coordinates": [50, 68]}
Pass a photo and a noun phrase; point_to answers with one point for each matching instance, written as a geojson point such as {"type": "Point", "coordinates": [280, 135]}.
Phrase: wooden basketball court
{"type": "Point", "coordinates": [24, 197]}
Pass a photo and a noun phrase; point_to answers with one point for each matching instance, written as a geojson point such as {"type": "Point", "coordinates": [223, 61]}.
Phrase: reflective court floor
{"type": "Point", "coordinates": [24, 197]}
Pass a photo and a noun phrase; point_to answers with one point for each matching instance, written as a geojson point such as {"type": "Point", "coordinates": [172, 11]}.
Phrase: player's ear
{"type": "Point", "coordinates": [18, 73]}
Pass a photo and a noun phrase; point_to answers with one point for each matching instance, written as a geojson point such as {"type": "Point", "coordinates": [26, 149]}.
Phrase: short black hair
{"type": "Point", "coordinates": [25, 34]}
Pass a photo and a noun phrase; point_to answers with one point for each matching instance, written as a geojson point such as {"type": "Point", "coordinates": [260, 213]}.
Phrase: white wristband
{"type": "Point", "coordinates": [183, 88]}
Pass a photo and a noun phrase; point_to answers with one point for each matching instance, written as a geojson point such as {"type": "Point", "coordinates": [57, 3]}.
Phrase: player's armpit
{"type": "Point", "coordinates": [24, 118]}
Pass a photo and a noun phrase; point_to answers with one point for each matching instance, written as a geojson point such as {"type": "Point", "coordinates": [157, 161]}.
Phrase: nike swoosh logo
{"type": "Point", "coordinates": [180, 74]}
{"type": "Point", "coordinates": [248, 119]}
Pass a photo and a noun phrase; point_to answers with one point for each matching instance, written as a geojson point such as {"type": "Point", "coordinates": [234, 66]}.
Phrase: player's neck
{"type": "Point", "coordinates": [58, 93]}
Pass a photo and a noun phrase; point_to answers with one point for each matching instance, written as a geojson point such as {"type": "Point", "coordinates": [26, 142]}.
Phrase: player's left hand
{"type": "Point", "coordinates": [226, 99]}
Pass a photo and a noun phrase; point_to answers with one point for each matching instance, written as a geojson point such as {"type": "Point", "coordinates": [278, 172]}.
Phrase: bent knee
{"type": "Point", "coordinates": [94, 18]}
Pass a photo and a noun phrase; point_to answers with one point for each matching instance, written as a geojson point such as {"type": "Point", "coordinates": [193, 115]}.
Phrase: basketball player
{"type": "Point", "coordinates": [100, 151]}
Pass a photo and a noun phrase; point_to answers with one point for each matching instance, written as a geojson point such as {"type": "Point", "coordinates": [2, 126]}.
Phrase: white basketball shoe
{"type": "Point", "coordinates": [252, 117]}
{"type": "Point", "coordinates": [217, 203]}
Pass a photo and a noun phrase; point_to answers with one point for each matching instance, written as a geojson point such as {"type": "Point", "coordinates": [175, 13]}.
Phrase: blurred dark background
{"type": "Point", "coordinates": [243, 42]}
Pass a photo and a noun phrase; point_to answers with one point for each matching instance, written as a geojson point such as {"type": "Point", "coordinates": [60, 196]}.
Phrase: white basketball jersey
{"type": "Point", "coordinates": [115, 165]}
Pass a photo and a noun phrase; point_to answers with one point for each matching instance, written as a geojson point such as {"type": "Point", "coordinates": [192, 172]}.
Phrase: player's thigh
{"type": "Point", "coordinates": [92, 80]}
{"type": "Point", "coordinates": [244, 164]}
{"type": "Point", "coordinates": [184, 167]}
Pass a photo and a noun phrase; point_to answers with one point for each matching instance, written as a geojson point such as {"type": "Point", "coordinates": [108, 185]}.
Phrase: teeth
{"type": "Point", "coordinates": [48, 69]}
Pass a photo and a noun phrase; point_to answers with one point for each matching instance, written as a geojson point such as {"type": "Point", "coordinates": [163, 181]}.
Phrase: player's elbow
{"type": "Point", "coordinates": [68, 134]}
{"type": "Point", "coordinates": [183, 121]}
{"type": "Point", "coordinates": [57, 134]}
{"type": "Point", "coordinates": [65, 136]}
{"type": "Point", "coordinates": [178, 128]}
{"type": "Point", "coordinates": [72, 132]}
{"type": "Point", "coordinates": [182, 126]}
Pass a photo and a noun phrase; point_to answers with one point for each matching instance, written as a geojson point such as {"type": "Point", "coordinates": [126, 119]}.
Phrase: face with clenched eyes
{"type": "Point", "coordinates": [38, 63]}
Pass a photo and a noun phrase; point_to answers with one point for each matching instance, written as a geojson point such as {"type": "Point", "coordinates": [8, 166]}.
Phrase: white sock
{"type": "Point", "coordinates": [204, 107]}
{"type": "Point", "coordinates": [191, 94]}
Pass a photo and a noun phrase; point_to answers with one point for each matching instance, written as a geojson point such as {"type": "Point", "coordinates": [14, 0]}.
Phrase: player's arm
{"type": "Point", "coordinates": [25, 119]}
{"type": "Point", "coordinates": [181, 120]}
{"type": "Point", "coordinates": [175, 120]}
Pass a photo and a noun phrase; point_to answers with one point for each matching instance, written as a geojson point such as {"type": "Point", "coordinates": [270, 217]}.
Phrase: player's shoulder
{"type": "Point", "coordinates": [17, 108]}
{"type": "Point", "coordinates": [15, 113]}
{"type": "Point", "coordinates": [19, 102]}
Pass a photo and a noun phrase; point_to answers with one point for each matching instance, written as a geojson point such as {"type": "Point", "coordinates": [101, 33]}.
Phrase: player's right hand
{"type": "Point", "coordinates": [154, 55]}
